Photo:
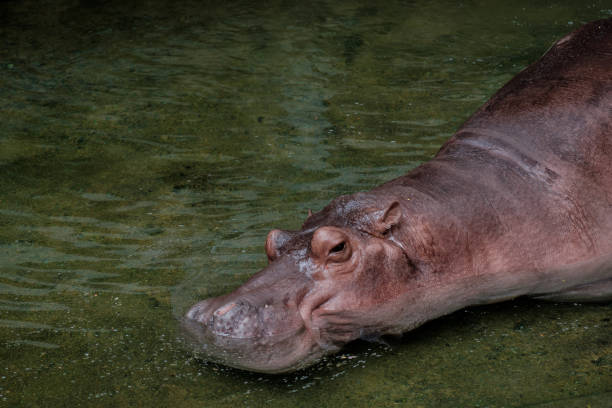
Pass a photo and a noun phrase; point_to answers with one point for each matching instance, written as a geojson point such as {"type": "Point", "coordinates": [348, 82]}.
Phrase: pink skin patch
{"type": "Point", "coordinates": [223, 310]}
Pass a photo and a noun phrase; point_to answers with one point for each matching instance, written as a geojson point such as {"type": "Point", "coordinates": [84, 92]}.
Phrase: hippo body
{"type": "Point", "coordinates": [518, 202]}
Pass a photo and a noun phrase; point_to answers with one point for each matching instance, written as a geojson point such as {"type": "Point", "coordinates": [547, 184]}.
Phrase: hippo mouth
{"type": "Point", "coordinates": [268, 338]}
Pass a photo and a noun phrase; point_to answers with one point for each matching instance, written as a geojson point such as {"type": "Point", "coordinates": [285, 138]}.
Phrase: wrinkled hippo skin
{"type": "Point", "coordinates": [518, 202]}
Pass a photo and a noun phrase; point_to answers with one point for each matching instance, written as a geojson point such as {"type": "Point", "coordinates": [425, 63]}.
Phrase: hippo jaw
{"type": "Point", "coordinates": [322, 289]}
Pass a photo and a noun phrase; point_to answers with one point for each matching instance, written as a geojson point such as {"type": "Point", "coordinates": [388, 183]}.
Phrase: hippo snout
{"type": "Point", "coordinates": [238, 319]}
{"type": "Point", "coordinates": [241, 318]}
{"type": "Point", "coordinates": [260, 326]}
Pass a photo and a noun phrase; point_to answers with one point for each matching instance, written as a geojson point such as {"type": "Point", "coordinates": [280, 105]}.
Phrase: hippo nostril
{"type": "Point", "coordinates": [199, 311]}
{"type": "Point", "coordinates": [193, 313]}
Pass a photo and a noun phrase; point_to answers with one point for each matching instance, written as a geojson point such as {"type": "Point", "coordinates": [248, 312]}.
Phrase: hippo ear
{"type": "Point", "coordinates": [385, 219]}
{"type": "Point", "coordinates": [275, 241]}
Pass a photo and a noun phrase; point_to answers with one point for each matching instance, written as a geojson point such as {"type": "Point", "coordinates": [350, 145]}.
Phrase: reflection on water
{"type": "Point", "coordinates": [146, 150]}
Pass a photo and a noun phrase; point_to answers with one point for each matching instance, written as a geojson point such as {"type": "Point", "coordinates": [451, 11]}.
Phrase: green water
{"type": "Point", "coordinates": [146, 149]}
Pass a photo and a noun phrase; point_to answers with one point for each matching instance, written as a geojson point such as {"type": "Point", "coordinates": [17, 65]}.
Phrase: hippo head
{"type": "Point", "coordinates": [334, 281]}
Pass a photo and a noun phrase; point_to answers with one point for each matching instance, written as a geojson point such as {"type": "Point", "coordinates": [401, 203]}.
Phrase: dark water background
{"type": "Point", "coordinates": [147, 147]}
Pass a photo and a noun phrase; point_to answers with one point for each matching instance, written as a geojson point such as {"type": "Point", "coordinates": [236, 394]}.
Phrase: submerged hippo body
{"type": "Point", "coordinates": [518, 202]}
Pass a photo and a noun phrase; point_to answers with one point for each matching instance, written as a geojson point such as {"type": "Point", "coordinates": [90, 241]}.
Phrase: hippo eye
{"type": "Point", "coordinates": [337, 248]}
{"type": "Point", "coordinates": [331, 244]}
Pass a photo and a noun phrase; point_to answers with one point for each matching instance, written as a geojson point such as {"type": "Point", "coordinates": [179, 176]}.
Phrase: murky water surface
{"type": "Point", "coordinates": [146, 149]}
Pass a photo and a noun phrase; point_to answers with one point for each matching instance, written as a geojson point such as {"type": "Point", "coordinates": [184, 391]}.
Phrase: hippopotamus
{"type": "Point", "coordinates": [517, 203]}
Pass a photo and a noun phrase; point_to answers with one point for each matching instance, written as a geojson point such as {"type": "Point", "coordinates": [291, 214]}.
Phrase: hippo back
{"type": "Point", "coordinates": [551, 125]}
{"type": "Point", "coordinates": [529, 176]}
{"type": "Point", "coordinates": [558, 110]}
